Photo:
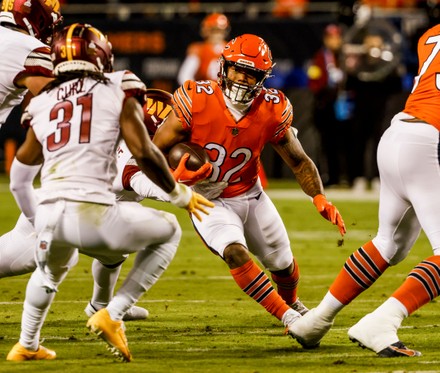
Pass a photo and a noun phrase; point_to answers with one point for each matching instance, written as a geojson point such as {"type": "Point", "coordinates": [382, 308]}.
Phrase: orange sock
{"type": "Point", "coordinates": [287, 286]}
{"type": "Point", "coordinates": [255, 283]}
{"type": "Point", "coordinates": [421, 286]}
{"type": "Point", "coordinates": [360, 271]}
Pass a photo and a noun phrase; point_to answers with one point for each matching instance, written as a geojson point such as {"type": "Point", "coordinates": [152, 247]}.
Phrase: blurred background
{"type": "Point", "coordinates": [344, 92]}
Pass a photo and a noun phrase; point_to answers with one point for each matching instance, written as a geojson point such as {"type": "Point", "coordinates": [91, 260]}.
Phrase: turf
{"type": "Point", "coordinates": [201, 322]}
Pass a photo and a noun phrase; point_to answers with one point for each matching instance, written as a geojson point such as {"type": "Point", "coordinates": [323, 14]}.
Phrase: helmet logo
{"type": "Point", "coordinates": [54, 4]}
{"type": "Point", "coordinates": [246, 62]}
{"type": "Point", "coordinates": [157, 109]}
{"type": "Point", "coordinates": [92, 46]}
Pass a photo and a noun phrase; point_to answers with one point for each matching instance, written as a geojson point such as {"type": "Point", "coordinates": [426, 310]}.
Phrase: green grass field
{"type": "Point", "coordinates": [200, 321]}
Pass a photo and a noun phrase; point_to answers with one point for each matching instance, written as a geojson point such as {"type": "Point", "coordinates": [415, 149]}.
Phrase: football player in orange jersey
{"type": "Point", "coordinates": [202, 58]}
{"type": "Point", "coordinates": [201, 61]}
{"type": "Point", "coordinates": [408, 159]}
{"type": "Point", "coordinates": [233, 119]}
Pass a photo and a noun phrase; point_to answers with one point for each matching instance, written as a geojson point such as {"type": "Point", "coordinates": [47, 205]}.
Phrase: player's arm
{"type": "Point", "coordinates": [170, 133]}
{"type": "Point", "coordinates": [37, 71]}
{"type": "Point", "coordinates": [148, 157]}
{"type": "Point", "coordinates": [152, 162]}
{"type": "Point", "coordinates": [307, 175]}
{"type": "Point", "coordinates": [167, 135]}
{"type": "Point", "coordinates": [304, 169]}
{"type": "Point", "coordinates": [34, 83]}
{"type": "Point", "coordinates": [24, 169]}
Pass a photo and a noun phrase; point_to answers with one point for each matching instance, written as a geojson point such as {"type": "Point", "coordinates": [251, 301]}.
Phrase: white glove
{"type": "Point", "coordinates": [210, 190]}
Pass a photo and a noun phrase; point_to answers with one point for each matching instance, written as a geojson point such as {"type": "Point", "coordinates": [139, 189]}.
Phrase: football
{"type": "Point", "coordinates": [197, 155]}
{"type": "Point", "coordinates": [158, 106]}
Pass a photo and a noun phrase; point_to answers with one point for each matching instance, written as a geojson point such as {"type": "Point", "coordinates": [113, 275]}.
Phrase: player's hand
{"type": "Point", "coordinates": [194, 203]}
{"type": "Point", "coordinates": [210, 190]}
{"type": "Point", "coordinates": [329, 212]}
{"type": "Point", "coordinates": [182, 175]}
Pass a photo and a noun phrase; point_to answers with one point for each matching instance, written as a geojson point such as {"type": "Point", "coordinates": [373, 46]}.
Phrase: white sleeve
{"type": "Point", "coordinates": [145, 188]}
{"type": "Point", "coordinates": [188, 69]}
{"type": "Point", "coordinates": [21, 186]}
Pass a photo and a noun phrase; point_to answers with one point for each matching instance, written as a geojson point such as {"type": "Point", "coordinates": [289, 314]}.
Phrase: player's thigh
{"type": "Point", "coordinates": [266, 235]}
{"type": "Point", "coordinates": [423, 182]}
{"type": "Point", "coordinates": [222, 227]}
{"type": "Point", "coordinates": [142, 226]}
{"type": "Point", "coordinates": [399, 225]}
{"type": "Point", "coordinates": [17, 249]}
{"type": "Point", "coordinates": [109, 232]}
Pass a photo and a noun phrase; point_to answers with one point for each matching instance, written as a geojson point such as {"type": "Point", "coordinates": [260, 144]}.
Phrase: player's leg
{"type": "Point", "coordinates": [222, 232]}
{"type": "Point", "coordinates": [38, 300]}
{"type": "Point", "coordinates": [398, 230]}
{"type": "Point", "coordinates": [268, 240]}
{"type": "Point", "coordinates": [155, 236]}
{"type": "Point", "coordinates": [419, 162]}
{"type": "Point", "coordinates": [17, 248]}
{"type": "Point", "coordinates": [378, 330]}
{"type": "Point", "coordinates": [105, 278]}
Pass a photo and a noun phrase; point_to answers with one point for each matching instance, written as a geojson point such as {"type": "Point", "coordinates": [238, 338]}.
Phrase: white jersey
{"type": "Point", "coordinates": [127, 171]}
{"type": "Point", "coordinates": [123, 158]}
{"type": "Point", "coordinates": [77, 124]}
{"type": "Point", "coordinates": [21, 54]}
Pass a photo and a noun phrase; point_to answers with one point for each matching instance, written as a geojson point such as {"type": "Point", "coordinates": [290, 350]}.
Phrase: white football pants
{"type": "Point", "coordinates": [408, 160]}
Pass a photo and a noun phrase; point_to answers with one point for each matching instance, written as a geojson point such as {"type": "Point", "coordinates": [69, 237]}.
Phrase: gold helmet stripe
{"type": "Point", "coordinates": [69, 47]}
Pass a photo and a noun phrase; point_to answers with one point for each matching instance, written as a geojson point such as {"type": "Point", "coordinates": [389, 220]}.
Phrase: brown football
{"type": "Point", "coordinates": [197, 155]}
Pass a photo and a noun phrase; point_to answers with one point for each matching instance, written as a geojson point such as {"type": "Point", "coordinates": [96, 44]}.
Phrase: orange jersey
{"type": "Point", "coordinates": [208, 54]}
{"type": "Point", "coordinates": [424, 100]}
{"type": "Point", "coordinates": [233, 147]}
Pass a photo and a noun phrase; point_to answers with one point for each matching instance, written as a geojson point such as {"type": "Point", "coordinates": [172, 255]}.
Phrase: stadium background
{"type": "Point", "coordinates": [151, 39]}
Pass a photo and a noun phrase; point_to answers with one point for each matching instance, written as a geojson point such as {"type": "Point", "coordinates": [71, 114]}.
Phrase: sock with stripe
{"type": "Point", "coordinates": [421, 286]}
{"type": "Point", "coordinates": [255, 283]}
{"type": "Point", "coordinates": [287, 286]}
{"type": "Point", "coordinates": [360, 271]}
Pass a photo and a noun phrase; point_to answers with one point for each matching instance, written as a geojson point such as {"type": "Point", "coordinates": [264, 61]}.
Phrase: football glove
{"type": "Point", "coordinates": [182, 175]}
{"type": "Point", "coordinates": [182, 196]}
{"type": "Point", "coordinates": [210, 190]}
{"type": "Point", "coordinates": [329, 212]}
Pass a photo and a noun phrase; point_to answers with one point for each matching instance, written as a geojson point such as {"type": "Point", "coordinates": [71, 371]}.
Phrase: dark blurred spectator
{"type": "Point", "coordinates": [331, 114]}
{"type": "Point", "coordinates": [202, 57]}
{"type": "Point", "coordinates": [374, 76]}
{"type": "Point", "coordinates": [12, 136]}
{"type": "Point", "coordinates": [290, 8]}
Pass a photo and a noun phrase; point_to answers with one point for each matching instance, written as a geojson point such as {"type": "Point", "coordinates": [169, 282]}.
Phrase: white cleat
{"type": "Point", "coordinates": [134, 313]}
{"type": "Point", "coordinates": [309, 329]}
{"type": "Point", "coordinates": [379, 334]}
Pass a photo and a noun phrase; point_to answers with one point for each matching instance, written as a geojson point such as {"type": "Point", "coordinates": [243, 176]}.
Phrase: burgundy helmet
{"type": "Point", "coordinates": [38, 17]}
{"type": "Point", "coordinates": [81, 47]}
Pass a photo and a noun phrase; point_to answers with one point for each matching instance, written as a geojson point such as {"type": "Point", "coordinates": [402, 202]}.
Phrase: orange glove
{"type": "Point", "coordinates": [183, 175]}
{"type": "Point", "coordinates": [329, 212]}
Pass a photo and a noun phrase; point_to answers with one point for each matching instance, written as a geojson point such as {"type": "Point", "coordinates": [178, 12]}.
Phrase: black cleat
{"type": "Point", "coordinates": [398, 349]}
